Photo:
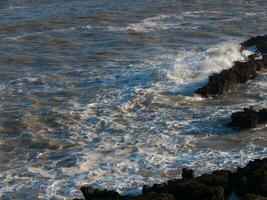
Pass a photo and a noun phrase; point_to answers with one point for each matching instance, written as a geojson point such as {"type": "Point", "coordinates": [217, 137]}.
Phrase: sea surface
{"type": "Point", "coordinates": [101, 92]}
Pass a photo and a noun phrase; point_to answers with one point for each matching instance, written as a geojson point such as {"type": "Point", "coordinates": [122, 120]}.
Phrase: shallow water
{"type": "Point", "coordinates": [102, 93]}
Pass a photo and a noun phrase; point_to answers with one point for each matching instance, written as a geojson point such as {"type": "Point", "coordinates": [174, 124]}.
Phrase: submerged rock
{"type": "Point", "coordinates": [248, 118]}
{"type": "Point", "coordinates": [241, 72]}
{"type": "Point", "coordinates": [249, 182]}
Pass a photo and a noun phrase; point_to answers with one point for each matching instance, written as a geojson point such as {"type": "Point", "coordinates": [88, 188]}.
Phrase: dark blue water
{"type": "Point", "coordinates": [102, 93]}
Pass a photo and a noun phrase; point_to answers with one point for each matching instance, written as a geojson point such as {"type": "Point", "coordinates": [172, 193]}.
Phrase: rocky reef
{"type": "Point", "coordinates": [248, 183]}
{"type": "Point", "coordinates": [241, 72]}
{"type": "Point", "coordinates": [248, 118]}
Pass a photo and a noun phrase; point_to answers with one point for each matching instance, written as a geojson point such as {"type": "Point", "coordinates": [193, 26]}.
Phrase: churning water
{"type": "Point", "coordinates": [102, 93]}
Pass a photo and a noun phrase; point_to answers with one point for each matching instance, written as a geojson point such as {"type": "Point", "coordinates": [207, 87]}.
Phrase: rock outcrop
{"type": "Point", "coordinates": [241, 72]}
{"type": "Point", "coordinates": [259, 42]}
{"type": "Point", "coordinates": [248, 118]}
{"type": "Point", "coordinates": [249, 182]}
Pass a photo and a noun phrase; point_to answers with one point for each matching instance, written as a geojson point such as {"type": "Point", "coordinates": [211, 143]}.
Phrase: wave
{"type": "Point", "coordinates": [191, 69]}
{"type": "Point", "coordinates": [159, 22]}
{"type": "Point", "coordinates": [184, 20]}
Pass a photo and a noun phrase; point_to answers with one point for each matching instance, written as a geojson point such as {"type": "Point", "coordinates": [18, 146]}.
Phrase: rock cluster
{"type": "Point", "coordinates": [248, 118]}
{"type": "Point", "coordinates": [249, 183]}
{"type": "Point", "coordinates": [241, 72]}
{"type": "Point", "coordinates": [227, 80]}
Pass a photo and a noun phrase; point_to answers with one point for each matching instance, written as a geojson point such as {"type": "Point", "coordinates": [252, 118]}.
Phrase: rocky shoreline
{"type": "Point", "coordinates": [248, 183]}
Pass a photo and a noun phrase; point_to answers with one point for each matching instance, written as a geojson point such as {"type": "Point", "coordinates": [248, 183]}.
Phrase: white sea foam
{"type": "Point", "coordinates": [16, 7]}
{"type": "Point", "coordinates": [146, 139]}
{"type": "Point", "coordinates": [192, 68]}
{"type": "Point", "coordinates": [40, 33]}
{"type": "Point", "coordinates": [40, 171]}
{"type": "Point", "coordinates": [159, 22]}
{"type": "Point", "coordinates": [128, 173]}
{"type": "Point", "coordinates": [252, 14]}
{"type": "Point", "coordinates": [182, 20]}
{"type": "Point", "coordinates": [132, 158]}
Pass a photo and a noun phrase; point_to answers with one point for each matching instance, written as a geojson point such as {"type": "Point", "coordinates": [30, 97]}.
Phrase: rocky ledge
{"type": "Point", "coordinates": [248, 118]}
{"type": "Point", "coordinates": [248, 183]}
{"type": "Point", "coordinates": [241, 72]}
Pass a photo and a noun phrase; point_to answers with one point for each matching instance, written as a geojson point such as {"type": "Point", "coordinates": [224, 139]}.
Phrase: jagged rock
{"type": "Point", "coordinates": [252, 179]}
{"type": "Point", "coordinates": [187, 173]}
{"type": "Point", "coordinates": [260, 42]}
{"type": "Point", "coordinates": [248, 118]}
{"type": "Point", "coordinates": [249, 183]}
{"type": "Point", "coordinates": [227, 80]}
{"type": "Point", "coordinates": [241, 72]}
{"type": "Point", "coordinates": [263, 115]}
{"type": "Point", "coordinates": [90, 193]}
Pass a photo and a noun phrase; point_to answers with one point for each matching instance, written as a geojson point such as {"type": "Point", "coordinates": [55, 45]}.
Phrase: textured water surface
{"type": "Point", "coordinates": [102, 93]}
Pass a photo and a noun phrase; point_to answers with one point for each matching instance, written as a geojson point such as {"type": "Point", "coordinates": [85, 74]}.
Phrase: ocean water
{"type": "Point", "coordinates": [102, 93]}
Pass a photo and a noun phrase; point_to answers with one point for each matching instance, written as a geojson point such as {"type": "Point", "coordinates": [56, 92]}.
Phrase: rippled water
{"type": "Point", "coordinates": [102, 93]}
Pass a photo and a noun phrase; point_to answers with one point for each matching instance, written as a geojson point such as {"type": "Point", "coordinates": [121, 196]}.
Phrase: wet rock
{"type": "Point", "coordinates": [254, 197]}
{"type": "Point", "coordinates": [187, 173]}
{"type": "Point", "coordinates": [251, 179]}
{"type": "Point", "coordinates": [158, 188]}
{"type": "Point", "coordinates": [152, 196]}
{"type": "Point", "coordinates": [90, 193]}
{"type": "Point", "coordinates": [194, 189]}
{"type": "Point", "coordinates": [248, 118]}
{"type": "Point", "coordinates": [248, 183]}
{"type": "Point", "coordinates": [244, 119]}
{"type": "Point", "coordinates": [263, 115]}
{"type": "Point", "coordinates": [241, 72]}
{"type": "Point", "coordinates": [260, 42]}
{"type": "Point", "coordinates": [227, 80]}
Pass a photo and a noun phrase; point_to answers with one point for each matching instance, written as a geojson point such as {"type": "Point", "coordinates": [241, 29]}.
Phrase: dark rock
{"type": "Point", "coordinates": [249, 118]}
{"type": "Point", "coordinates": [244, 119]}
{"type": "Point", "coordinates": [241, 72]}
{"type": "Point", "coordinates": [263, 115]}
{"type": "Point", "coordinates": [90, 193]}
{"type": "Point", "coordinates": [248, 183]}
{"type": "Point", "coordinates": [152, 196]}
{"type": "Point", "coordinates": [227, 80]}
{"type": "Point", "coordinates": [187, 173]}
{"type": "Point", "coordinates": [259, 41]}
{"type": "Point", "coordinates": [254, 197]}
{"type": "Point", "coordinates": [251, 179]}
{"type": "Point", "coordinates": [159, 188]}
